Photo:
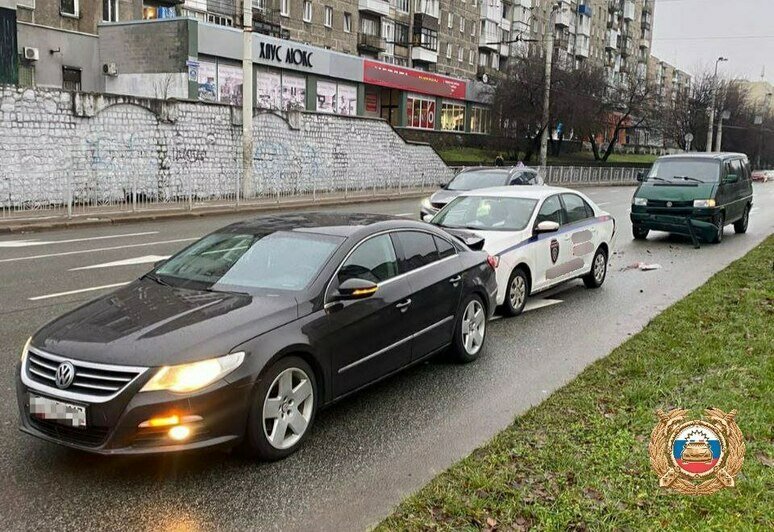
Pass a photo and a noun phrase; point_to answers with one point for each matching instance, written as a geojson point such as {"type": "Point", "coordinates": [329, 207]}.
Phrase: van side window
{"type": "Point", "coordinates": [735, 167]}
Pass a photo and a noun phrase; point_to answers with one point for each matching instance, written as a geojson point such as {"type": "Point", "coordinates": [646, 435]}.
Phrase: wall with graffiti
{"type": "Point", "coordinates": [58, 147]}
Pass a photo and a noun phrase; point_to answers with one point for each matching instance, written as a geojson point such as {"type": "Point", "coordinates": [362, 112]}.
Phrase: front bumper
{"type": "Point", "coordinates": [112, 427]}
{"type": "Point", "coordinates": [704, 221]}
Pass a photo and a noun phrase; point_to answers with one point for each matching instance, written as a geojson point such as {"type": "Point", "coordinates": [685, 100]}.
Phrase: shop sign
{"type": "Point", "coordinates": [386, 75]}
{"type": "Point", "coordinates": [286, 54]}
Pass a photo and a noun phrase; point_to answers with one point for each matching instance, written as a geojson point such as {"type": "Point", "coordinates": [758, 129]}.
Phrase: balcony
{"type": "Point", "coordinates": [582, 45]}
{"type": "Point", "coordinates": [423, 20]}
{"type": "Point", "coordinates": [628, 10]}
{"type": "Point", "coordinates": [584, 10]}
{"type": "Point", "coordinates": [370, 43]}
{"type": "Point", "coordinates": [644, 43]}
{"type": "Point", "coordinates": [611, 42]}
{"type": "Point", "coordinates": [492, 74]}
{"type": "Point", "coordinates": [625, 47]}
{"type": "Point", "coordinates": [647, 7]}
{"type": "Point", "coordinates": [423, 55]}
{"type": "Point", "coordinates": [613, 6]}
{"type": "Point", "coordinates": [489, 42]}
{"type": "Point", "coordinates": [564, 18]}
{"type": "Point", "coordinates": [377, 7]}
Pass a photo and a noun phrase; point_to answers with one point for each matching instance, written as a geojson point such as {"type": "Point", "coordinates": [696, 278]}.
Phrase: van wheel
{"type": "Point", "coordinates": [740, 226]}
{"type": "Point", "coordinates": [717, 238]}
{"type": "Point", "coordinates": [639, 232]}
{"type": "Point", "coordinates": [596, 276]}
{"type": "Point", "coordinates": [282, 411]}
{"type": "Point", "coordinates": [518, 290]}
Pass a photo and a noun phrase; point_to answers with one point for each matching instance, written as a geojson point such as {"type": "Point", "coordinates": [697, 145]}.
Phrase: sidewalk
{"type": "Point", "coordinates": [31, 224]}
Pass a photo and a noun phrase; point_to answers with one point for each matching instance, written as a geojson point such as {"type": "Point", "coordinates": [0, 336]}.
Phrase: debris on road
{"type": "Point", "coordinates": [643, 266]}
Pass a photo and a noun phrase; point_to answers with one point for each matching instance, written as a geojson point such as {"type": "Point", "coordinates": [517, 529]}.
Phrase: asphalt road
{"type": "Point", "coordinates": [365, 454]}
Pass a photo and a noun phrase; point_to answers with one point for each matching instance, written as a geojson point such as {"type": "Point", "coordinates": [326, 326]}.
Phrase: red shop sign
{"type": "Point", "coordinates": [386, 75]}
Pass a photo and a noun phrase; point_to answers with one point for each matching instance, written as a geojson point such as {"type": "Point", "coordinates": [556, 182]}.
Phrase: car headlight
{"type": "Point", "coordinates": [641, 202]}
{"type": "Point", "coordinates": [194, 376]}
{"type": "Point", "coordinates": [704, 203]}
{"type": "Point", "coordinates": [426, 203]}
{"type": "Point", "coordinates": [25, 349]}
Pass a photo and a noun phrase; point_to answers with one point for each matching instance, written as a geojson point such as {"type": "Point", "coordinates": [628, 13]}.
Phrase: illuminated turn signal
{"type": "Point", "coordinates": [168, 420]}
{"type": "Point", "coordinates": [365, 291]}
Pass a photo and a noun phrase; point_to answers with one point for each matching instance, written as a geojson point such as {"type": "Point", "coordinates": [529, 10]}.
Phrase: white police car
{"type": "Point", "coordinates": [540, 236]}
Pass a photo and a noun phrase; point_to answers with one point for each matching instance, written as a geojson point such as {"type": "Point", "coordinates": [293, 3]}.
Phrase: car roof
{"type": "Point", "coordinates": [527, 191]}
{"type": "Point", "coordinates": [716, 156]}
{"type": "Point", "coordinates": [327, 223]}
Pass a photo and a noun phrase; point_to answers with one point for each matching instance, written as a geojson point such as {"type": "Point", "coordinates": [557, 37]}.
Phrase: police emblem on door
{"type": "Point", "coordinates": [554, 250]}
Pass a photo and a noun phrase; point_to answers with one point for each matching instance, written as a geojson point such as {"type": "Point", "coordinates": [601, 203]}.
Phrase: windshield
{"type": "Point", "coordinates": [486, 213]}
{"type": "Point", "coordinates": [685, 170]}
{"type": "Point", "coordinates": [478, 179]}
{"type": "Point", "coordinates": [239, 262]}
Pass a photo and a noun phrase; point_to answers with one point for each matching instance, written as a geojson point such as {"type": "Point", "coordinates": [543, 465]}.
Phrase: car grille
{"type": "Point", "coordinates": [96, 380]}
{"type": "Point", "coordinates": [673, 204]}
{"type": "Point", "coordinates": [88, 436]}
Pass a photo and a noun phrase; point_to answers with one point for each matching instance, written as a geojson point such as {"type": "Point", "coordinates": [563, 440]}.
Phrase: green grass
{"type": "Point", "coordinates": [580, 461]}
{"type": "Point", "coordinates": [467, 155]}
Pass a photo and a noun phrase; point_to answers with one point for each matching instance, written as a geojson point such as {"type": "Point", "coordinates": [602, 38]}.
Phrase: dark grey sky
{"type": "Point", "coordinates": [691, 34]}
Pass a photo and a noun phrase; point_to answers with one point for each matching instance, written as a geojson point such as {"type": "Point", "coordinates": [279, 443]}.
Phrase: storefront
{"type": "Point", "coordinates": [293, 76]}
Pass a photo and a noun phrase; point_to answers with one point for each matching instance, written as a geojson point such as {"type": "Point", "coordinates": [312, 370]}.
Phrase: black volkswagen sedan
{"type": "Point", "coordinates": [241, 337]}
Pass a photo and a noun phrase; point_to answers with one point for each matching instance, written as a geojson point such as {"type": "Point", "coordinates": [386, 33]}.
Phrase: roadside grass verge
{"type": "Point", "coordinates": [580, 459]}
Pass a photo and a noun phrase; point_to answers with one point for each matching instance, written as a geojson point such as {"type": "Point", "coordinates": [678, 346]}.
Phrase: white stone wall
{"type": "Point", "coordinates": [102, 149]}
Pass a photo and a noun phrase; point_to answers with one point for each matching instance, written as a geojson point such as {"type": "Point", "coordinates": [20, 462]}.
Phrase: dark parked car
{"type": "Point", "coordinates": [474, 178]}
{"type": "Point", "coordinates": [242, 336]}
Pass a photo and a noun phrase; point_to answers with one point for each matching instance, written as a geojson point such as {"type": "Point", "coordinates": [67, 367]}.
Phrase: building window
{"type": "Point", "coordinates": [347, 22]}
{"type": "Point", "coordinates": [220, 20]}
{"type": "Point", "coordinates": [68, 7]}
{"type": "Point", "coordinates": [426, 38]}
{"type": "Point", "coordinates": [401, 34]}
{"type": "Point", "coordinates": [460, 53]}
{"type": "Point", "coordinates": [71, 79]}
{"type": "Point", "coordinates": [450, 20]}
{"type": "Point", "coordinates": [462, 25]}
{"type": "Point", "coordinates": [402, 5]}
{"type": "Point", "coordinates": [307, 11]}
{"type": "Point", "coordinates": [452, 116]}
{"type": "Point", "coordinates": [471, 57]}
{"type": "Point", "coordinates": [110, 10]}
{"type": "Point", "coordinates": [369, 26]}
{"type": "Point", "coordinates": [479, 119]}
{"type": "Point", "coordinates": [448, 50]}
{"type": "Point", "coordinates": [285, 8]}
{"type": "Point", "coordinates": [428, 7]}
{"type": "Point", "coordinates": [328, 16]}
{"type": "Point", "coordinates": [420, 112]}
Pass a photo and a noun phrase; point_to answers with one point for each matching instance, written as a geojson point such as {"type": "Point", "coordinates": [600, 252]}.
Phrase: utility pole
{"type": "Point", "coordinates": [725, 115]}
{"type": "Point", "coordinates": [759, 122]}
{"type": "Point", "coordinates": [712, 105]}
{"type": "Point", "coordinates": [247, 101]}
{"type": "Point", "coordinates": [547, 88]}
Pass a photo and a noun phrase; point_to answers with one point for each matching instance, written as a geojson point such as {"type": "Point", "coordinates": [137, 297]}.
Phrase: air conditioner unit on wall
{"type": "Point", "coordinates": [31, 54]}
{"type": "Point", "coordinates": [110, 69]}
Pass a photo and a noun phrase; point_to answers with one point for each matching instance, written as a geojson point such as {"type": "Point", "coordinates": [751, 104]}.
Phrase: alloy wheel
{"type": "Point", "coordinates": [288, 408]}
{"type": "Point", "coordinates": [473, 327]}
{"type": "Point", "coordinates": [599, 267]}
{"type": "Point", "coordinates": [517, 292]}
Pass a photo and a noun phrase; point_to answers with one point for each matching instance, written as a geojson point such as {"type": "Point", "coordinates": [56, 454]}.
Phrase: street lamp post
{"type": "Point", "coordinates": [547, 88]}
{"type": "Point", "coordinates": [247, 101]}
{"type": "Point", "coordinates": [725, 115]}
{"type": "Point", "coordinates": [712, 104]}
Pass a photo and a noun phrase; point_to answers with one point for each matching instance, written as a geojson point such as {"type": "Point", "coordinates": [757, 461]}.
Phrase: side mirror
{"type": "Point", "coordinates": [731, 178]}
{"type": "Point", "coordinates": [640, 176]}
{"type": "Point", "coordinates": [356, 289]}
{"type": "Point", "coordinates": [547, 226]}
{"type": "Point", "coordinates": [427, 217]}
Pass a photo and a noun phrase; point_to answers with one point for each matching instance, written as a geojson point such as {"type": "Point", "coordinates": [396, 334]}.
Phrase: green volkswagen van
{"type": "Point", "coordinates": [694, 194]}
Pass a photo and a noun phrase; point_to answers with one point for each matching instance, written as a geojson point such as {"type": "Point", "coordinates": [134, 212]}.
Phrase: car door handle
{"type": "Point", "coordinates": [403, 305]}
{"type": "Point", "coordinates": [456, 279]}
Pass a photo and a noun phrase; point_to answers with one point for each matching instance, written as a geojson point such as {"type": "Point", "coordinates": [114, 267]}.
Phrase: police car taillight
{"type": "Point", "coordinates": [494, 262]}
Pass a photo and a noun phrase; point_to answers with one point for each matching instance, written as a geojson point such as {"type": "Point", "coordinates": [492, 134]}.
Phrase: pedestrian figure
{"type": "Point", "coordinates": [499, 160]}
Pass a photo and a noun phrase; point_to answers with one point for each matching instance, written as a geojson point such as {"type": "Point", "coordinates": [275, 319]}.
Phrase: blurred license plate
{"type": "Point", "coordinates": [52, 410]}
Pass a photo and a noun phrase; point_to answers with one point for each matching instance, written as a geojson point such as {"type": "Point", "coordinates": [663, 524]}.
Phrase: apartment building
{"type": "Point", "coordinates": [669, 81]}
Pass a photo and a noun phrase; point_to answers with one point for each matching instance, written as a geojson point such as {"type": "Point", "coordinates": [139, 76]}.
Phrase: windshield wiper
{"type": "Point", "coordinates": [156, 279]}
{"type": "Point", "coordinates": [211, 289]}
{"type": "Point", "coordinates": [656, 178]}
{"type": "Point", "coordinates": [688, 178]}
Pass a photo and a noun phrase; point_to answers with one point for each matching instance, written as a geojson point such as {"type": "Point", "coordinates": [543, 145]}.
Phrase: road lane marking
{"type": "Point", "coordinates": [82, 290]}
{"type": "Point", "coordinates": [405, 214]}
{"type": "Point", "coordinates": [146, 259]}
{"type": "Point", "coordinates": [29, 243]}
{"type": "Point", "coordinates": [95, 250]}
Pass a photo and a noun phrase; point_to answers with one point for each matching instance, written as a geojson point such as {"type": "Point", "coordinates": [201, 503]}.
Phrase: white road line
{"type": "Point", "coordinates": [71, 292]}
{"type": "Point", "coordinates": [534, 305]}
{"type": "Point", "coordinates": [405, 214]}
{"type": "Point", "coordinates": [95, 250]}
{"type": "Point", "coordinates": [146, 259]}
{"type": "Point", "coordinates": [29, 243]}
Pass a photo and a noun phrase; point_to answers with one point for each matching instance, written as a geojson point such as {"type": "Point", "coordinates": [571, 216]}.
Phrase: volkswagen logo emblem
{"type": "Point", "coordinates": [669, 203]}
{"type": "Point", "coordinates": [65, 374]}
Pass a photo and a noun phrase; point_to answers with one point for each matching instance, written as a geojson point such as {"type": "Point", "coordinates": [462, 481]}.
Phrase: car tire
{"type": "Point", "coordinates": [281, 403]}
{"type": "Point", "coordinates": [467, 344]}
{"type": "Point", "coordinates": [717, 238]}
{"type": "Point", "coordinates": [740, 226]}
{"type": "Point", "coordinates": [639, 232]}
{"type": "Point", "coordinates": [517, 293]}
{"type": "Point", "coordinates": [598, 273]}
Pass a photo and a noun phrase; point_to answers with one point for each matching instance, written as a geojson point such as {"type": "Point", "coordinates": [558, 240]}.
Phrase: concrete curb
{"type": "Point", "coordinates": [86, 220]}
